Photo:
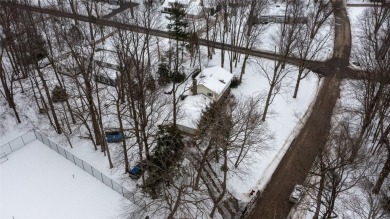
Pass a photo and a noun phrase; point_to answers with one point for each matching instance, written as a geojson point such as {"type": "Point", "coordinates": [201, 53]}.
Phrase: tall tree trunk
{"type": "Point", "coordinates": [243, 67]}
{"type": "Point", "coordinates": [319, 196]}
{"type": "Point", "coordinates": [219, 199]}
{"type": "Point", "coordinates": [92, 110]}
{"type": "Point", "coordinates": [267, 102]}
{"type": "Point", "coordinates": [8, 93]}
{"type": "Point", "coordinates": [177, 204]}
{"type": "Point", "coordinates": [124, 147]}
{"type": "Point", "coordinates": [201, 165]}
{"type": "Point", "coordinates": [53, 111]}
{"type": "Point", "coordinates": [383, 175]}
{"type": "Point", "coordinates": [300, 72]}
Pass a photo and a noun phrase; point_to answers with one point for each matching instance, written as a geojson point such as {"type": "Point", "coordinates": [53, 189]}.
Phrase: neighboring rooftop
{"type": "Point", "coordinates": [191, 109]}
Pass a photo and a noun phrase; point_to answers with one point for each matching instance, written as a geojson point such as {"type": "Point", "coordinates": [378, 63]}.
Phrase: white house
{"type": "Point", "coordinates": [277, 14]}
{"type": "Point", "coordinates": [210, 85]}
{"type": "Point", "coordinates": [213, 82]}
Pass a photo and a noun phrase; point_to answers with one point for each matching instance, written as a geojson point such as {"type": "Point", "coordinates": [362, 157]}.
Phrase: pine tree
{"type": "Point", "coordinates": [178, 29]}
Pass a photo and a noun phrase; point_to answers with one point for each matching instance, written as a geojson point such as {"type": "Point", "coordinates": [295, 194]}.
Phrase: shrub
{"type": "Point", "coordinates": [59, 94]}
{"type": "Point", "coordinates": [163, 74]}
{"type": "Point", "coordinates": [151, 83]}
{"type": "Point", "coordinates": [235, 82]}
{"type": "Point", "coordinates": [178, 77]}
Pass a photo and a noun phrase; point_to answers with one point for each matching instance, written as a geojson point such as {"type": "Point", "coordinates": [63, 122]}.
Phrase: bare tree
{"type": "Point", "coordinates": [285, 42]}
{"type": "Point", "coordinates": [334, 173]}
{"type": "Point", "coordinates": [365, 204]}
{"type": "Point", "coordinates": [310, 42]}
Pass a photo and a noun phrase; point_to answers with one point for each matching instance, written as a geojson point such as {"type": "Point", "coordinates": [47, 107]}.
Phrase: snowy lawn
{"type": "Point", "coordinates": [284, 121]}
{"type": "Point", "coordinates": [35, 182]}
{"type": "Point", "coordinates": [354, 14]}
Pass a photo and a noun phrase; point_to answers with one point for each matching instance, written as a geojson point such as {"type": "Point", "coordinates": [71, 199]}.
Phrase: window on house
{"type": "Point", "coordinates": [209, 94]}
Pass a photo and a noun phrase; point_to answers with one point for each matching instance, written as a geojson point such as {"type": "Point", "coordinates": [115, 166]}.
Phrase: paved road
{"type": "Point", "coordinates": [316, 66]}
{"type": "Point", "coordinates": [294, 166]}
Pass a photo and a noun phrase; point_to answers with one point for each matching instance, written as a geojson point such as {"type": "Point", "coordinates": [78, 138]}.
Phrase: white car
{"type": "Point", "coordinates": [355, 65]}
{"type": "Point", "coordinates": [297, 194]}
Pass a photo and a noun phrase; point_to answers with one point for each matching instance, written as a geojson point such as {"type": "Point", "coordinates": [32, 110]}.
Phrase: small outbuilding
{"type": "Point", "coordinates": [213, 82]}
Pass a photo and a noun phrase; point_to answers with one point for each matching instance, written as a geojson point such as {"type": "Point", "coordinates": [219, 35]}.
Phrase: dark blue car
{"type": "Point", "coordinates": [114, 137]}
{"type": "Point", "coordinates": [136, 171]}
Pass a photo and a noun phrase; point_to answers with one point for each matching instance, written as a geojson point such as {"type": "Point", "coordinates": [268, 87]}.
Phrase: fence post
{"type": "Point", "coordinates": [101, 174]}
{"type": "Point", "coordinates": [10, 147]}
{"type": "Point", "coordinates": [65, 153]}
{"type": "Point", "coordinates": [22, 140]}
{"type": "Point", "coordinates": [112, 186]}
{"type": "Point", "coordinates": [74, 161]}
{"type": "Point", "coordinates": [82, 162]}
{"type": "Point", "coordinates": [123, 194]}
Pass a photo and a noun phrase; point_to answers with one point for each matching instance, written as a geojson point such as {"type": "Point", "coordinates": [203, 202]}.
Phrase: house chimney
{"type": "Point", "coordinates": [194, 87]}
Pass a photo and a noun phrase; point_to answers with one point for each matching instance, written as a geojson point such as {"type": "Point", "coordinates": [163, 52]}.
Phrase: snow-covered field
{"type": "Point", "coordinates": [35, 182]}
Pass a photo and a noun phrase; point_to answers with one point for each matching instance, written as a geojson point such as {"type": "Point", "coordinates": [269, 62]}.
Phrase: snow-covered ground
{"type": "Point", "coordinates": [358, 201]}
{"type": "Point", "coordinates": [283, 121]}
{"type": "Point", "coordinates": [35, 182]}
{"type": "Point", "coordinates": [354, 13]}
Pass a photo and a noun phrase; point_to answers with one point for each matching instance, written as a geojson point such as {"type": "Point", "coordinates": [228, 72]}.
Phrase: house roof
{"type": "Point", "coordinates": [191, 109]}
{"type": "Point", "coordinates": [215, 78]}
{"type": "Point", "coordinates": [194, 8]}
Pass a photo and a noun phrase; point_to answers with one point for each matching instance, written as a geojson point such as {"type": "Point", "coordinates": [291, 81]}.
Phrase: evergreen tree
{"type": "Point", "coordinates": [166, 154]}
{"type": "Point", "coordinates": [178, 29]}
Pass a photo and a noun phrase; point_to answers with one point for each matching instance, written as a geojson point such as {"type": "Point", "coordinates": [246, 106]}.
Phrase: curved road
{"type": "Point", "coordinates": [294, 166]}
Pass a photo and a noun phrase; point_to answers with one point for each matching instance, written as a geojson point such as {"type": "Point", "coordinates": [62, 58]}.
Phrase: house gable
{"type": "Point", "coordinates": [214, 79]}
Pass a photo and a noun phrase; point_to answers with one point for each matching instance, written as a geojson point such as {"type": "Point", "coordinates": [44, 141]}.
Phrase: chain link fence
{"type": "Point", "coordinates": [16, 144]}
{"type": "Point", "coordinates": [23, 140]}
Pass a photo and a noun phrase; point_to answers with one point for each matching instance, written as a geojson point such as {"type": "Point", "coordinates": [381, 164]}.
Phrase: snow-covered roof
{"type": "Point", "coordinates": [191, 109]}
{"type": "Point", "coordinates": [194, 8]}
{"type": "Point", "coordinates": [215, 78]}
{"type": "Point", "coordinates": [275, 10]}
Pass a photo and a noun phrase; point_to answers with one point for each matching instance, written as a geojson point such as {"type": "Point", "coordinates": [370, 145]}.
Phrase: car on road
{"type": "Point", "coordinates": [136, 171]}
{"type": "Point", "coordinates": [297, 194]}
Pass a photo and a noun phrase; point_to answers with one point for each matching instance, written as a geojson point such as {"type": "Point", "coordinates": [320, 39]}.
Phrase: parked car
{"type": "Point", "coordinates": [136, 171]}
{"type": "Point", "coordinates": [113, 137]}
{"type": "Point", "coordinates": [355, 65]}
{"type": "Point", "coordinates": [297, 194]}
